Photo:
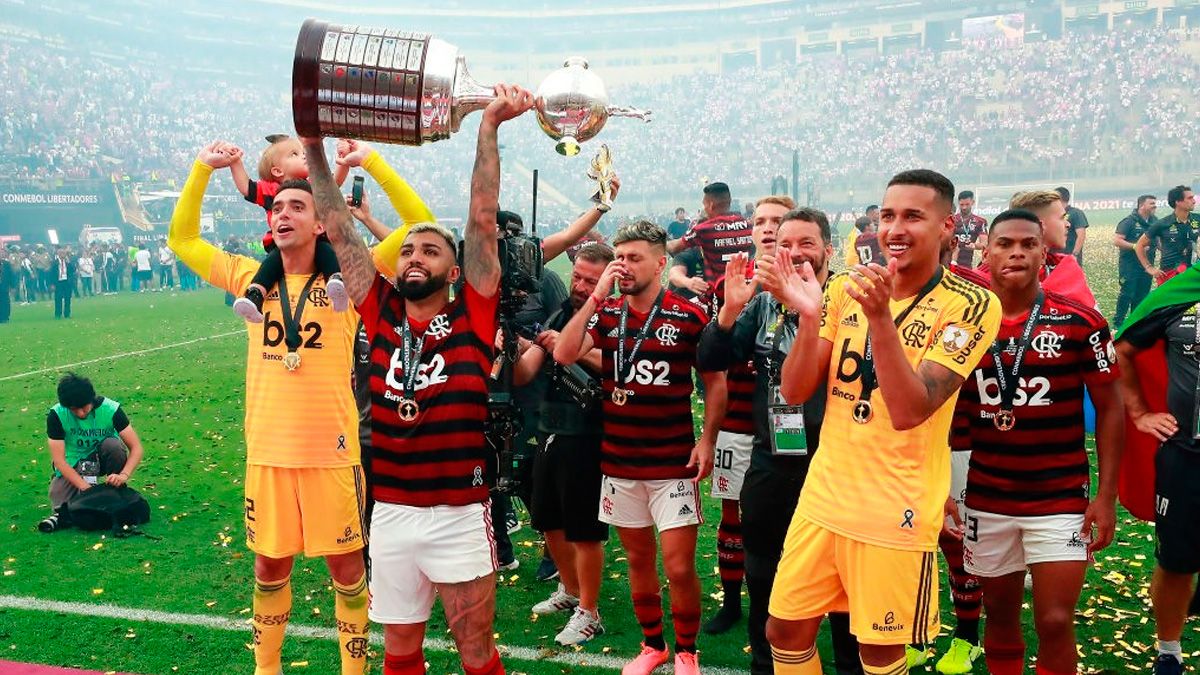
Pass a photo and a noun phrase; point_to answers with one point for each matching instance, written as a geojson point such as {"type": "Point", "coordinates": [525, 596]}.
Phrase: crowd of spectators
{"type": "Point", "coordinates": [1079, 100]}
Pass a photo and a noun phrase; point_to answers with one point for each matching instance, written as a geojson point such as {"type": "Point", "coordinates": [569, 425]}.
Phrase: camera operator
{"type": "Point", "coordinates": [566, 471]}
{"type": "Point", "coordinates": [528, 321]}
{"type": "Point", "coordinates": [430, 362]}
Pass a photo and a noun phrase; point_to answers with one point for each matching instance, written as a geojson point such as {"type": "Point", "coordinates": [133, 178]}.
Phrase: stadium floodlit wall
{"type": "Point", "coordinates": [29, 210]}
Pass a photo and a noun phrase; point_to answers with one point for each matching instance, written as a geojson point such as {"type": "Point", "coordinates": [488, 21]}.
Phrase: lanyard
{"type": "Point", "coordinates": [1008, 388]}
{"type": "Point", "coordinates": [411, 354]}
{"type": "Point", "coordinates": [869, 380]}
{"type": "Point", "coordinates": [625, 366]}
{"type": "Point", "coordinates": [774, 356]}
{"type": "Point", "coordinates": [291, 322]}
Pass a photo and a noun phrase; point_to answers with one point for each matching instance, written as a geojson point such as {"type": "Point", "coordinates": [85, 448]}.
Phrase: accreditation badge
{"type": "Point", "coordinates": [787, 427]}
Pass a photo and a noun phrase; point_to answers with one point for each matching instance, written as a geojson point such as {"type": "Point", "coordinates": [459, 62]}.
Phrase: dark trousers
{"type": "Point", "coordinates": [62, 298]}
{"type": "Point", "coordinates": [1135, 284]}
{"type": "Point", "coordinates": [768, 500]}
{"type": "Point", "coordinates": [166, 277]}
{"type": "Point", "coordinates": [5, 305]}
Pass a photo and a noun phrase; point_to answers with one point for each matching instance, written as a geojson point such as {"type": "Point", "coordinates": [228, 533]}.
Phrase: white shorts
{"type": "Point", "coordinates": [995, 545]}
{"type": "Point", "coordinates": [960, 463]}
{"type": "Point", "coordinates": [665, 504]}
{"type": "Point", "coordinates": [414, 548]}
{"type": "Point", "coordinates": [730, 462]}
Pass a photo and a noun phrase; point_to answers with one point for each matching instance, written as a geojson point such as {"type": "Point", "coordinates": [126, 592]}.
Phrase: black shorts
{"type": "Point", "coordinates": [768, 501]}
{"type": "Point", "coordinates": [1177, 508]}
{"type": "Point", "coordinates": [566, 488]}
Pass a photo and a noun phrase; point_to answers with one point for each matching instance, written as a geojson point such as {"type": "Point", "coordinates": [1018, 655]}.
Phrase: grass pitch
{"type": "Point", "coordinates": [176, 363]}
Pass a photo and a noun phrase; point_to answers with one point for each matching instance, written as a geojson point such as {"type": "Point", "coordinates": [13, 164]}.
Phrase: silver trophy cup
{"type": "Point", "coordinates": [391, 86]}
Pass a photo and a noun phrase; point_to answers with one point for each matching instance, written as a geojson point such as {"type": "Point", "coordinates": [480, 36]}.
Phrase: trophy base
{"type": "Point", "coordinates": [568, 146]}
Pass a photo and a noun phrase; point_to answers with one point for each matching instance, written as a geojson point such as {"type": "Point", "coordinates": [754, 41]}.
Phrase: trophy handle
{"type": "Point", "coordinates": [627, 111]}
{"type": "Point", "coordinates": [469, 95]}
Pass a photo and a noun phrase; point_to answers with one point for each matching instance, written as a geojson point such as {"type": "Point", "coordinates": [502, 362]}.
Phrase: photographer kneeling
{"type": "Point", "coordinates": [90, 438]}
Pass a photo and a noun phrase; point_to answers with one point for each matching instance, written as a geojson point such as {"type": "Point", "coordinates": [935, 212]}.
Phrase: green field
{"type": "Point", "coordinates": [185, 401]}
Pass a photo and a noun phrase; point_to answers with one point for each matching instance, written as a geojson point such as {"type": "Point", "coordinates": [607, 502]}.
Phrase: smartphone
{"type": "Point", "coordinates": [356, 192]}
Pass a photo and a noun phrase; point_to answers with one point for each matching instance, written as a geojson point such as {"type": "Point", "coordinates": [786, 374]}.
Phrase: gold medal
{"type": "Point", "coordinates": [863, 412]}
{"type": "Point", "coordinates": [408, 409]}
{"type": "Point", "coordinates": [1004, 420]}
{"type": "Point", "coordinates": [620, 396]}
{"type": "Point", "coordinates": [292, 361]}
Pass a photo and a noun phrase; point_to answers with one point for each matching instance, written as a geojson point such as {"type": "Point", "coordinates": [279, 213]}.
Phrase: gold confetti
{"type": "Point", "coordinates": [299, 664]}
{"type": "Point", "coordinates": [97, 546]}
{"type": "Point", "coordinates": [97, 591]}
{"type": "Point", "coordinates": [9, 573]}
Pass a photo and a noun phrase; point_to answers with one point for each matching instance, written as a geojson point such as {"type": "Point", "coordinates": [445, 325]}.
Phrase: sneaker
{"type": "Point", "coordinates": [1168, 664]}
{"type": "Point", "coordinates": [583, 626]}
{"type": "Point", "coordinates": [647, 661]}
{"type": "Point", "coordinates": [724, 619]}
{"type": "Point", "coordinates": [511, 523]}
{"type": "Point", "coordinates": [335, 288]}
{"type": "Point", "coordinates": [915, 657]}
{"type": "Point", "coordinates": [959, 659]}
{"type": "Point", "coordinates": [246, 309]}
{"type": "Point", "coordinates": [510, 565]}
{"type": "Point", "coordinates": [559, 601]}
{"type": "Point", "coordinates": [50, 524]}
{"type": "Point", "coordinates": [687, 663]}
{"type": "Point", "coordinates": [547, 570]}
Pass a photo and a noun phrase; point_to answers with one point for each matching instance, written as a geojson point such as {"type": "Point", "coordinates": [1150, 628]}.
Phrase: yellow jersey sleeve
{"type": "Point", "coordinates": [183, 237]}
{"type": "Point", "coordinates": [831, 310]}
{"type": "Point", "coordinates": [967, 326]}
{"type": "Point", "coordinates": [851, 251]}
{"type": "Point", "coordinates": [407, 203]}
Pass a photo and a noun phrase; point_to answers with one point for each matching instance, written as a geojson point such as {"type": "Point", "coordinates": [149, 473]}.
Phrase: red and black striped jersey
{"type": "Point", "coordinates": [718, 238]}
{"type": "Point", "coordinates": [441, 457]}
{"type": "Point", "coordinates": [650, 437]}
{"type": "Point", "coordinates": [739, 379]}
{"type": "Point", "coordinates": [1040, 466]}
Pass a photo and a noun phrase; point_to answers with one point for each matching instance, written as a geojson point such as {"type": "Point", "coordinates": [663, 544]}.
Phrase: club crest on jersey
{"type": "Point", "coordinates": [667, 334]}
{"type": "Point", "coordinates": [439, 327]}
{"type": "Point", "coordinates": [1047, 344]}
{"type": "Point", "coordinates": [954, 339]}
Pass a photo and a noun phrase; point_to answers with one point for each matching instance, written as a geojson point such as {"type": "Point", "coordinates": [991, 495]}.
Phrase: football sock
{"type": "Point", "coordinates": [272, 609]}
{"type": "Point", "coordinates": [647, 607]}
{"type": "Point", "coordinates": [406, 664]}
{"type": "Point", "coordinates": [796, 663]}
{"type": "Point", "coordinates": [350, 611]}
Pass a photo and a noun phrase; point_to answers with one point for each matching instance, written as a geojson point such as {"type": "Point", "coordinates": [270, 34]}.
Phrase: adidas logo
{"type": "Point", "coordinates": [612, 333]}
{"type": "Point", "coordinates": [686, 510]}
{"type": "Point", "coordinates": [851, 321]}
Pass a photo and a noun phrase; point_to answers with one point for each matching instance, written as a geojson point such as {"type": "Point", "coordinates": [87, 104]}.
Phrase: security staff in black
{"type": "Point", "coordinates": [566, 471]}
{"type": "Point", "coordinates": [776, 475]}
{"type": "Point", "coordinates": [1134, 279]}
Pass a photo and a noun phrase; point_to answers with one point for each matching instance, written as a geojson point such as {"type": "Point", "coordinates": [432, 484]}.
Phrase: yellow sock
{"type": "Point", "coordinates": [272, 608]}
{"type": "Point", "coordinates": [898, 667]}
{"type": "Point", "coordinates": [350, 610]}
{"type": "Point", "coordinates": [796, 663]}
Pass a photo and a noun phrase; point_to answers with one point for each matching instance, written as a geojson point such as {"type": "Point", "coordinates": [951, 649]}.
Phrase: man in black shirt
{"type": "Point", "coordinates": [1134, 280]}
{"type": "Point", "coordinates": [566, 470]}
{"type": "Point", "coordinates": [1177, 462]}
{"type": "Point", "coordinates": [1077, 224]}
{"type": "Point", "coordinates": [1173, 235]}
{"type": "Point", "coordinates": [753, 325]}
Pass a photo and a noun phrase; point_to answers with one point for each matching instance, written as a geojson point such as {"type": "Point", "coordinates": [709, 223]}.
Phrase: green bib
{"type": "Point", "coordinates": [82, 437]}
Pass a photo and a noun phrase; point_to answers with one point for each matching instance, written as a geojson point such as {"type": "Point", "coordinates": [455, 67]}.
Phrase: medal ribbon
{"type": "Point", "coordinates": [1008, 388]}
{"type": "Point", "coordinates": [291, 322]}
{"type": "Point", "coordinates": [869, 381]}
{"type": "Point", "coordinates": [624, 367]}
{"type": "Point", "coordinates": [411, 354]}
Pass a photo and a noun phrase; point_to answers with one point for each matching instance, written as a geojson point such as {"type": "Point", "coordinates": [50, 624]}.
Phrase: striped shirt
{"type": "Point", "coordinates": [1040, 466]}
{"type": "Point", "coordinates": [441, 457]}
{"type": "Point", "coordinates": [718, 238]}
{"type": "Point", "coordinates": [651, 436]}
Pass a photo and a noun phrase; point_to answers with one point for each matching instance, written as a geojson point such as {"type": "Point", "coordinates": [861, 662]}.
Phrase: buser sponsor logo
{"type": "Point", "coordinates": [965, 353]}
{"type": "Point", "coordinates": [1104, 353]}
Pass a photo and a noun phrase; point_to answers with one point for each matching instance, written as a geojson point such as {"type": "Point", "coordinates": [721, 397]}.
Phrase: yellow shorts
{"type": "Point", "coordinates": [891, 595]}
{"type": "Point", "coordinates": [315, 511]}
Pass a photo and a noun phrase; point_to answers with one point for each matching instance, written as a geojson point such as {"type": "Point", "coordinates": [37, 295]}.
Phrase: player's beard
{"type": "Point", "coordinates": [636, 289]}
{"type": "Point", "coordinates": [818, 262]}
{"type": "Point", "coordinates": [419, 290]}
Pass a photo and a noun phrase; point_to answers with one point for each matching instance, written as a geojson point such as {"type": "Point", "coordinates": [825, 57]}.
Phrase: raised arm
{"type": "Point", "coordinates": [555, 244]}
{"type": "Point", "coordinates": [241, 179]}
{"type": "Point", "coordinates": [807, 363]}
{"type": "Point", "coordinates": [183, 237]}
{"type": "Point", "coordinates": [358, 272]}
{"type": "Point", "coordinates": [481, 262]}
{"type": "Point", "coordinates": [573, 343]}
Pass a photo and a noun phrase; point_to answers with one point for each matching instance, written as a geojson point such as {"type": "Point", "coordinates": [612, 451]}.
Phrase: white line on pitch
{"type": "Point", "coordinates": [572, 658]}
{"type": "Point", "coordinates": [120, 356]}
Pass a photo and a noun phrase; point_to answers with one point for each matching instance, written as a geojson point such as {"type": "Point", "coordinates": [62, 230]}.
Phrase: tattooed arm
{"type": "Point", "coordinates": [358, 271]}
{"type": "Point", "coordinates": [481, 262]}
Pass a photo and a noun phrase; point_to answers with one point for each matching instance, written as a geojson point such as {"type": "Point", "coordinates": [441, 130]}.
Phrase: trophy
{"type": "Point", "coordinates": [391, 86]}
{"type": "Point", "coordinates": [601, 171]}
